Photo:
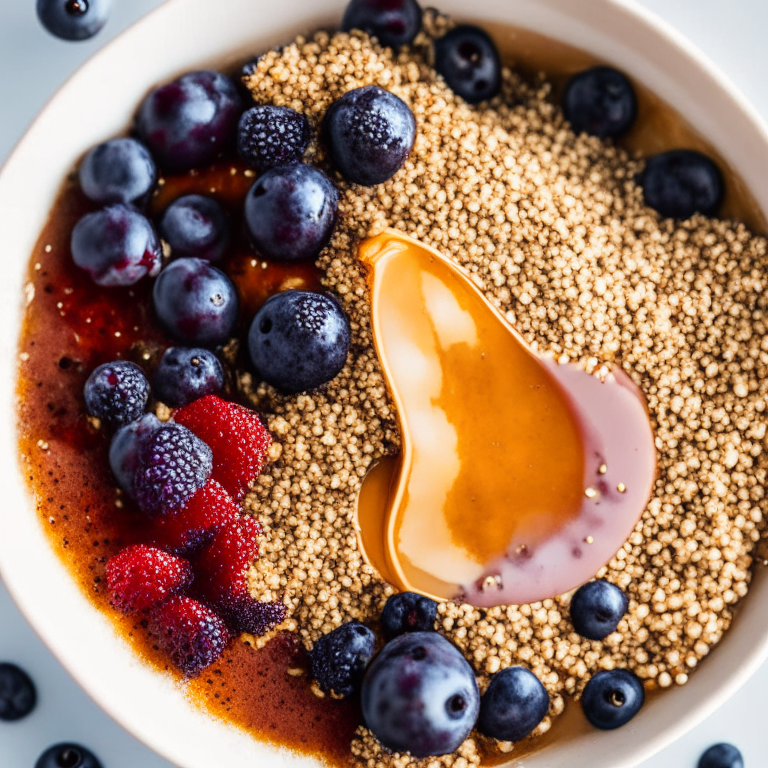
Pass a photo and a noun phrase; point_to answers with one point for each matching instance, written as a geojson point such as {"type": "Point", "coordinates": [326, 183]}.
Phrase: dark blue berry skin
{"type": "Point", "coordinates": [69, 755]}
{"type": "Point", "coordinates": [116, 246]}
{"type": "Point", "coordinates": [269, 136]}
{"type": "Point", "coordinates": [420, 696]}
{"type": "Point", "coordinates": [191, 121]}
{"type": "Point", "coordinates": [597, 608]}
{"type": "Point", "coordinates": [196, 226]}
{"type": "Point", "coordinates": [126, 447]}
{"type": "Point", "coordinates": [392, 22]}
{"type": "Point", "coordinates": [185, 375]}
{"type": "Point", "coordinates": [369, 133]}
{"type": "Point", "coordinates": [290, 212]}
{"type": "Point", "coordinates": [721, 756]}
{"type": "Point", "coordinates": [173, 465]}
{"type": "Point", "coordinates": [17, 693]}
{"type": "Point", "coordinates": [514, 703]}
{"type": "Point", "coordinates": [118, 171]}
{"type": "Point", "coordinates": [469, 61]}
{"type": "Point", "coordinates": [73, 19]}
{"type": "Point", "coordinates": [196, 302]}
{"type": "Point", "coordinates": [339, 659]}
{"type": "Point", "coordinates": [600, 101]}
{"type": "Point", "coordinates": [117, 392]}
{"type": "Point", "coordinates": [612, 698]}
{"type": "Point", "coordinates": [299, 340]}
{"type": "Point", "coordinates": [681, 183]}
{"type": "Point", "coordinates": [408, 612]}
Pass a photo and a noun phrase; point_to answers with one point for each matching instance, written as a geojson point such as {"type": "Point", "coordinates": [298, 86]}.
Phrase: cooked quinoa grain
{"type": "Point", "coordinates": [553, 228]}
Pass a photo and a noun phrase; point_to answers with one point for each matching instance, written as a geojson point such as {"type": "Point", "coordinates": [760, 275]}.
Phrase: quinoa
{"type": "Point", "coordinates": [553, 228]}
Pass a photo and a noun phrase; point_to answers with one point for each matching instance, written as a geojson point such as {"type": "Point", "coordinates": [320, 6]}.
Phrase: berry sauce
{"type": "Point", "coordinates": [72, 326]}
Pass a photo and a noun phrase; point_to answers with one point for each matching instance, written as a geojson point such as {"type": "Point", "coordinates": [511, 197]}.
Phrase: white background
{"type": "Point", "coordinates": [32, 66]}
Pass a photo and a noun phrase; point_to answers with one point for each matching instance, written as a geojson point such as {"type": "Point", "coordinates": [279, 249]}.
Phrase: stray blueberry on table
{"type": "Point", "coordinates": [195, 302]}
{"type": "Point", "coordinates": [290, 212]}
{"type": "Point", "coordinates": [117, 392]}
{"type": "Point", "coordinates": [681, 183]}
{"type": "Point", "coordinates": [514, 703]}
{"type": "Point", "coordinates": [299, 340]}
{"type": "Point", "coordinates": [721, 756]}
{"type": "Point", "coordinates": [190, 121]}
{"type": "Point", "coordinates": [469, 61]}
{"type": "Point", "coordinates": [370, 133]}
{"type": "Point", "coordinates": [73, 19]}
{"type": "Point", "coordinates": [393, 23]}
{"type": "Point", "coordinates": [116, 246]}
{"type": "Point", "coordinates": [196, 226]}
{"type": "Point", "coordinates": [17, 693]}
{"type": "Point", "coordinates": [339, 659]}
{"type": "Point", "coordinates": [185, 375]}
{"type": "Point", "coordinates": [612, 698]}
{"type": "Point", "coordinates": [597, 608]}
{"type": "Point", "coordinates": [67, 756]}
{"type": "Point", "coordinates": [420, 696]}
{"type": "Point", "coordinates": [601, 102]}
{"type": "Point", "coordinates": [408, 612]}
{"type": "Point", "coordinates": [118, 171]}
{"type": "Point", "coordinates": [269, 136]}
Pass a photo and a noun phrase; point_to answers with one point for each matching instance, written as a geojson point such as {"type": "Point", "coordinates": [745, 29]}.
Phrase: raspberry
{"type": "Point", "coordinates": [269, 136]}
{"type": "Point", "coordinates": [246, 614]}
{"type": "Point", "coordinates": [235, 434]}
{"type": "Point", "coordinates": [173, 465]}
{"type": "Point", "coordinates": [141, 577]}
{"type": "Point", "coordinates": [117, 392]}
{"type": "Point", "coordinates": [191, 634]}
{"type": "Point", "coordinates": [205, 513]}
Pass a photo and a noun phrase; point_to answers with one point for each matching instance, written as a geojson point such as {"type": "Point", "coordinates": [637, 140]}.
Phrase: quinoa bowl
{"type": "Point", "coordinates": [106, 667]}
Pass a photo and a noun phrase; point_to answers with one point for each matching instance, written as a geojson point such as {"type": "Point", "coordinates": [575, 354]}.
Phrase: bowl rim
{"type": "Point", "coordinates": [749, 662]}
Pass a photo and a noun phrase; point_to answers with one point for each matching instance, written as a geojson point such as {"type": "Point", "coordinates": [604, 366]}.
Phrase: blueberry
{"type": "Point", "coordinates": [191, 121]}
{"type": "Point", "coordinates": [185, 375]}
{"type": "Point", "coordinates": [290, 212]}
{"type": "Point", "coordinates": [126, 447]}
{"type": "Point", "coordinates": [721, 756]}
{"type": "Point", "coordinates": [600, 101]}
{"type": "Point", "coordinates": [119, 171]}
{"type": "Point", "coordinates": [611, 699]}
{"type": "Point", "coordinates": [196, 302]}
{"type": "Point", "coordinates": [469, 62]}
{"type": "Point", "coordinates": [597, 608]}
{"type": "Point", "coordinates": [173, 465]}
{"type": "Point", "coordinates": [116, 246]}
{"type": "Point", "coordinates": [73, 19]}
{"type": "Point", "coordinates": [67, 756]}
{"type": "Point", "coordinates": [17, 693]}
{"type": "Point", "coordinates": [408, 612]}
{"type": "Point", "coordinates": [682, 182]}
{"type": "Point", "coordinates": [392, 22]}
{"type": "Point", "coordinates": [370, 133]}
{"type": "Point", "coordinates": [196, 226]}
{"type": "Point", "coordinates": [420, 696]}
{"type": "Point", "coordinates": [514, 703]}
{"type": "Point", "coordinates": [339, 659]}
{"type": "Point", "coordinates": [299, 340]}
{"type": "Point", "coordinates": [269, 136]}
{"type": "Point", "coordinates": [117, 392]}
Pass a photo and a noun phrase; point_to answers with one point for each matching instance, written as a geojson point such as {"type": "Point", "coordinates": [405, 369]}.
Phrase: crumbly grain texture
{"type": "Point", "coordinates": [553, 229]}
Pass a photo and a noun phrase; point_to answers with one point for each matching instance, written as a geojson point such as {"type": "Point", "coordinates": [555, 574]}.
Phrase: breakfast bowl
{"type": "Point", "coordinates": [99, 102]}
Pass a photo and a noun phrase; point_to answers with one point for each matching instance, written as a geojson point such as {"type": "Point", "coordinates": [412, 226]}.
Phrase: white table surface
{"type": "Point", "coordinates": [33, 65]}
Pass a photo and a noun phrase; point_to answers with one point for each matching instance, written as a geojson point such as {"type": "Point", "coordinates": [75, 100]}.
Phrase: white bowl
{"type": "Point", "coordinates": [98, 103]}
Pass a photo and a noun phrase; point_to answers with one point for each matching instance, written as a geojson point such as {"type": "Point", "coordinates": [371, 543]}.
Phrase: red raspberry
{"type": "Point", "coordinates": [235, 434]}
{"type": "Point", "coordinates": [140, 577]}
{"type": "Point", "coordinates": [223, 563]}
{"type": "Point", "coordinates": [191, 634]}
{"type": "Point", "coordinates": [205, 513]}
